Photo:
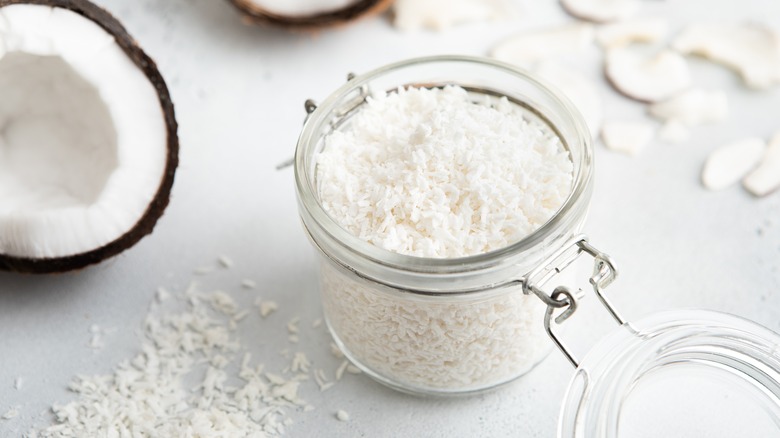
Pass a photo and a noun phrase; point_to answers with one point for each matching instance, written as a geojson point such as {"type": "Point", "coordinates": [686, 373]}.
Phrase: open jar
{"type": "Point", "coordinates": [458, 325]}
{"type": "Point", "coordinates": [431, 325]}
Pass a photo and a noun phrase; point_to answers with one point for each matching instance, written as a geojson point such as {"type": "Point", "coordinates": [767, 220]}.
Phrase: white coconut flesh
{"type": "Point", "coordinates": [300, 8]}
{"type": "Point", "coordinates": [647, 78]}
{"type": "Point", "coordinates": [82, 135]}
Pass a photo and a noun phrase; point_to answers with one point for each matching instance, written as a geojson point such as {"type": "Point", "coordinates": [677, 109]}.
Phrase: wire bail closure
{"type": "Point", "coordinates": [604, 273]}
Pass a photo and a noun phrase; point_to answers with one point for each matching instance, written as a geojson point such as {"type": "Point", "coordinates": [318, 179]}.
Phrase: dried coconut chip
{"type": "Point", "coordinates": [626, 137]}
{"type": "Point", "coordinates": [752, 49]}
{"type": "Point", "coordinates": [693, 107]}
{"type": "Point", "coordinates": [529, 47]}
{"type": "Point", "coordinates": [728, 164]}
{"type": "Point", "coordinates": [765, 178]}
{"type": "Point", "coordinates": [647, 78]}
{"type": "Point", "coordinates": [648, 30]}
{"type": "Point", "coordinates": [600, 10]}
{"type": "Point", "coordinates": [342, 415]}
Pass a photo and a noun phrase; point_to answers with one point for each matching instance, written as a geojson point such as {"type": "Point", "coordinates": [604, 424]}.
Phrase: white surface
{"type": "Point", "coordinates": [239, 95]}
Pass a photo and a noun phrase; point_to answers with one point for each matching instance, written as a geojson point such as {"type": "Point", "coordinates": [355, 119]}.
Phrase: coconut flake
{"type": "Point", "coordinates": [248, 284]}
{"type": "Point", "coordinates": [442, 14]}
{"type": "Point", "coordinates": [529, 47]}
{"type": "Point", "coordinates": [752, 49]}
{"type": "Point", "coordinates": [600, 10]}
{"type": "Point", "coordinates": [582, 92]}
{"type": "Point", "coordinates": [647, 30]}
{"type": "Point", "coordinates": [693, 107]}
{"type": "Point", "coordinates": [11, 413]}
{"type": "Point", "coordinates": [18, 383]}
{"type": "Point", "coordinates": [342, 415]}
{"type": "Point", "coordinates": [765, 178]}
{"type": "Point", "coordinates": [647, 78]}
{"type": "Point", "coordinates": [267, 307]}
{"type": "Point", "coordinates": [730, 163]}
{"type": "Point", "coordinates": [628, 137]}
{"type": "Point", "coordinates": [225, 261]}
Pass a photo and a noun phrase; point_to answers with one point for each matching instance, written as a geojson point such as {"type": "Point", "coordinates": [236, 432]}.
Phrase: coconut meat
{"type": "Point", "coordinates": [299, 8]}
{"type": "Point", "coordinates": [83, 142]}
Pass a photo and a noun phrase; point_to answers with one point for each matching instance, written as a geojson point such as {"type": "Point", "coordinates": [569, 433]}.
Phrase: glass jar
{"type": "Point", "coordinates": [440, 326]}
{"type": "Point", "coordinates": [677, 374]}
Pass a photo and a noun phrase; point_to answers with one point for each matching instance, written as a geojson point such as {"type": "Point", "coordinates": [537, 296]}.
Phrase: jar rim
{"type": "Point", "coordinates": [581, 188]}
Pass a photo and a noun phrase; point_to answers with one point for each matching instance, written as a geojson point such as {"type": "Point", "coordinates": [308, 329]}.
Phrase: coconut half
{"type": "Point", "coordinates": [308, 14]}
{"type": "Point", "coordinates": [88, 145]}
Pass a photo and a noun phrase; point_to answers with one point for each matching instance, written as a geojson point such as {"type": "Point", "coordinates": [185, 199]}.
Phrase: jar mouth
{"type": "Point", "coordinates": [577, 199]}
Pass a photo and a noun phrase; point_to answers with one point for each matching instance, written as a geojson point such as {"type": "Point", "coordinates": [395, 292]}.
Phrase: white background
{"type": "Point", "coordinates": [239, 94]}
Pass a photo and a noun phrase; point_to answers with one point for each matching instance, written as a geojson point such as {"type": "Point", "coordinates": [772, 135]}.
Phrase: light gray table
{"type": "Point", "coordinates": [239, 94]}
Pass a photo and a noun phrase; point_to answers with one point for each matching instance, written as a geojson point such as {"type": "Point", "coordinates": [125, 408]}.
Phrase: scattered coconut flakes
{"type": "Point", "coordinates": [353, 369]}
{"type": "Point", "coordinates": [341, 369]}
{"type": "Point", "coordinates": [674, 131]}
{"type": "Point", "coordinates": [248, 284]}
{"type": "Point", "coordinates": [645, 30]}
{"type": "Point", "coordinates": [322, 381]}
{"type": "Point", "coordinates": [11, 413]}
{"type": "Point", "coordinates": [316, 323]}
{"type": "Point", "coordinates": [267, 307]}
{"type": "Point", "coordinates": [336, 351]}
{"type": "Point", "coordinates": [765, 178]}
{"type": "Point", "coordinates": [240, 315]}
{"type": "Point", "coordinates": [600, 11]}
{"type": "Point", "coordinates": [147, 394]}
{"type": "Point", "coordinates": [18, 383]}
{"type": "Point", "coordinates": [693, 107]}
{"type": "Point", "coordinates": [292, 326]}
{"type": "Point", "coordinates": [529, 47]}
{"type": "Point", "coordinates": [223, 302]}
{"type": "Point", "coordinates": [442, 14]}
{"type": "Point", "coordinates": [581, 91]}
{"type": "Point", "coordinates": [300, 363]}
{"type": "Point", "coordinates": [730, 163]}
{"type": "Point", "coordinates": [293, 338]}
{"type": "Point", "coordinates": [752, 49]}
{"type": "Point", "coordinates": [342, 415]}
{"type": "Point", "coordinates": [647, 78]}
{"type": "Point", "coordinates": [225, 261]}
{"type": "Point", "coordinates": [162, 294]}
{"type": "Point", "coordinates": [628, 137]}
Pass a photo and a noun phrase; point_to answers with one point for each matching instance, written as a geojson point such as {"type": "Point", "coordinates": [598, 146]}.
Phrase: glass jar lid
{"type": "Point", "coordinates": [682, 373]}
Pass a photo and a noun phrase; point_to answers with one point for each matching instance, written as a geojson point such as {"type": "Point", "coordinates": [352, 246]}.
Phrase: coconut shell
{"type": "Point", "coordinates": [154, 211]}
{"type": "Point", "coordinates": [358, 9]}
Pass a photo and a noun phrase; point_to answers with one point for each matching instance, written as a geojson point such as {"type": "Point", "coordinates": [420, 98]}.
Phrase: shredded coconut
{"type": "Point", "coordinates": [11, 413]}
{"type": "Point", "coordinates": [435, 173]}
{"type": "Point", "coordinates": [248, 284]}
{"type": "Point", "coordinates": [225, 261]}
{"type": "Point", "coordinates": [426, 172]}
{"type": "Point", "coordinates": [18, 383]}
{"type": "Point", "coordinates": [147, 396]}
{"type": "Point", "coordinates": [342, 415]}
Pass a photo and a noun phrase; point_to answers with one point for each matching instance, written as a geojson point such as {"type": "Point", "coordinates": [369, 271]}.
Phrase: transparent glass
{"type": "Point", "coordinates": [439, 326]}
{"type": "Point", "coordinates": [678, 374]}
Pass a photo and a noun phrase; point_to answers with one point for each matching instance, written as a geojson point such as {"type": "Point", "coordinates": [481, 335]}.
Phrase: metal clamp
{"type": "Point", "coordinates": [604, 273]}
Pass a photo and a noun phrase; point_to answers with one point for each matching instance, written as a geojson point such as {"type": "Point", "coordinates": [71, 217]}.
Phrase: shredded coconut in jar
{"type": "Point", "coordinates": [429, 173]}
{"type": "Point", "coordinates": [432, 173]}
